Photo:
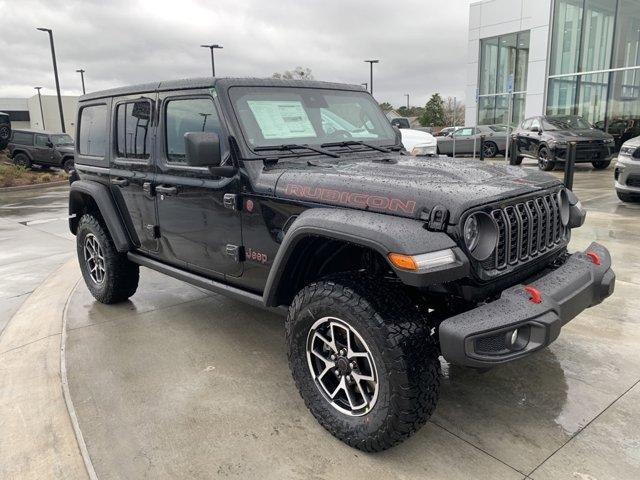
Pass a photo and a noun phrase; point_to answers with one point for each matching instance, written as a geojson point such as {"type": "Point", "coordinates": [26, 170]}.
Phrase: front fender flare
{"type": "Point", "coordinates": [105, 203]}
{"type": "Point", "coordinates": [382, 233]}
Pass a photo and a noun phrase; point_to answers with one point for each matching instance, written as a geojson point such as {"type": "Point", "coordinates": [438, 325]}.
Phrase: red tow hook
{"type": "Point", "coordinates": [536, 296]}
{"type": "Point", "coordinates": [595, 258]}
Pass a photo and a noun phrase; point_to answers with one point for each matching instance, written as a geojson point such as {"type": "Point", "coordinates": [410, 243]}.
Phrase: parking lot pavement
{"type": "Point", "coordinates": [34, 239]}
{"type": "Point", "coordinates": [182, 383]}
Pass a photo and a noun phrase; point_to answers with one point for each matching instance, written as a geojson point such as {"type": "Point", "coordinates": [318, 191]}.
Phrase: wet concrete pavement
{"type": "Point", "coordinates": [34, 241]}
{"type": "Point", "coordinates": [179, 382]}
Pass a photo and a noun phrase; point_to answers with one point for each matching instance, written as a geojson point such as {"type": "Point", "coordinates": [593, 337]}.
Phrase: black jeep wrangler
{"type": "Point", "coordinates": [5, 130]}
{"type": "Point", "coordinates": [297, 197]}
{"type": "Point", "coordinates": [27, 148]}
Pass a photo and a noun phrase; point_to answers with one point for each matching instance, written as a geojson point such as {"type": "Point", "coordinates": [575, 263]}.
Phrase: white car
{"type": "Point", "coordinates": [419, 143]}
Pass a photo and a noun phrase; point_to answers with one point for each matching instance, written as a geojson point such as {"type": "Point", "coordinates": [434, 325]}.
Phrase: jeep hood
{"type": "Point", "coordinates": [407, 186]}
{"type": "Point", "coordinates": [579, 134]}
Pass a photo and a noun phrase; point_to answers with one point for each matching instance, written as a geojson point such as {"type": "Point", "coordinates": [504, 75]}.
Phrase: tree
{"type": "Point", "coordinates": [386, 107]}
{"type": "Point", "coordinates": [297, 73]}
{"type": "Point", "coordinates": [453, 116]}
{"type": "Point", "coordinates": [433, 115]}
{"type": "Point", "coordinates": [411, 111]}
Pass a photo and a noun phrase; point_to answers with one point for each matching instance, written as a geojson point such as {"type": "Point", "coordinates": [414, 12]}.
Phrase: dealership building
{"type": "Point", "coordinates": [574, 57]}
{"type": "Point", "coordinates": [41, 113]}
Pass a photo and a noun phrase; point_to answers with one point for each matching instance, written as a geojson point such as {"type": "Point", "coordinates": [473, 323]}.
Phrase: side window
{"type": "Point", "coordinates": [41, 141]}
{"type": "Point", "coordinates": [187, 115]}
{"type": "Point", "coordinates": [92, 139]}
{"type": "Point", "coordinates": [526, 125]}
{"type": "Point", "coordinates": [133, 125]}
{"type": "Point", "coordinates": [464, 132]}
{"type": "Point", "coordinates": [22, 138]}
{"type": "Point", "coordinates": [535, 123]}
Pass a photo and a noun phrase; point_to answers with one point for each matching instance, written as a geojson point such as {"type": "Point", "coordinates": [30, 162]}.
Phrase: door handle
{"type": "Point", "coordinates": [164, 190]}
{"type": "Point", "coordinates": [121, 182]}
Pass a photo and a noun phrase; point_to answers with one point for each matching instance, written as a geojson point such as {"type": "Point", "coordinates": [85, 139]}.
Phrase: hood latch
{"type": "Point", "coordinates": [438, 219]}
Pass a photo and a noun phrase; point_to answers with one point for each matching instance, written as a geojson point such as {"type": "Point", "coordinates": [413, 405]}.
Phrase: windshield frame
{"type": "Point", "coordinates": [236, 92]}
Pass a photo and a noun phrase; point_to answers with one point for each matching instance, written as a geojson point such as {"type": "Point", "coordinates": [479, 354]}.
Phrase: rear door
{"type": "Point", "coordinates": [132, 170]}
{"type": "Point", "coordinates": [42, 153]}
{"type": "Point", "coordinates": [197, 230]}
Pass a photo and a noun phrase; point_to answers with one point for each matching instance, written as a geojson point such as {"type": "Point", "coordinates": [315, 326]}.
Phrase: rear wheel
{"type": "Point", "coordinates": [544, 160]}
{"type": "Point", "coordinates": [109, 275]}
{"type": "Point", "coordinates": [490, 149]}
{"type": "Point", "coordinates": [363, 360]}
{"type": "Point", "coordinates": [5, 133]}
{"type": "Point", "coordinates": [601, 165]}
{"type": "Point", "coordinates": [21, 160]}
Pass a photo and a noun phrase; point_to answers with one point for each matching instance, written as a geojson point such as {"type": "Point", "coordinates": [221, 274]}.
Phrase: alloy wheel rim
{"type": "Point", "coordinates": [94, 259]}
{"type": "Point", "coordinates": [488, 151]}
{"type": "Point", "coordinates": [543, 158]}
{"type": "Point", "coordinates": [342, 367]}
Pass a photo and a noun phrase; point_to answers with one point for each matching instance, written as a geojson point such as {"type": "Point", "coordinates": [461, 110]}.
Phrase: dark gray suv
{"type": "Point", "coordinates": [28, 148]}
{"type": "Point", "coordinates": [5, 130]}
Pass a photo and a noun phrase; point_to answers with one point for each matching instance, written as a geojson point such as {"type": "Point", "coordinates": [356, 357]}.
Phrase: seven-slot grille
{"type": "Point", "coordinates": [526, 230]}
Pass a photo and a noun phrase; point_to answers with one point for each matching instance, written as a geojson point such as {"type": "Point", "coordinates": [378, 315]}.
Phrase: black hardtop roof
{"type": "Point", "coordinates": [209, 82]}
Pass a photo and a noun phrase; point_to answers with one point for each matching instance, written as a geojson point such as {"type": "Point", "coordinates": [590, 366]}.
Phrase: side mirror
{"type": "Point", "coordinates": [203, 150]}
{"type": "Point", "coordinates": [49, 144]}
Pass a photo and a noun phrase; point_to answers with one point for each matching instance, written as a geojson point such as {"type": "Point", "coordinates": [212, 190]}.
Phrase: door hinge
{"type": "Point", "coordinates": [236, 252]}
{"type": "Point", "coordinates": [231, 201]}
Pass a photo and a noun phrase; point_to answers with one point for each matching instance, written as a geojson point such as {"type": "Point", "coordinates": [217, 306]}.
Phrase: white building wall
{"type": "Point", "coordinates": [489, 18]}
{"type": "Point", "coordinates": [52, 114]}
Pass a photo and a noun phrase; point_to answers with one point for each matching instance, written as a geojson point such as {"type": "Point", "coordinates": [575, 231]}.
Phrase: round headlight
{"type": "Point", "coordinates": [480, 235]}
{"type": "Point", "coordinates": [564, 205]}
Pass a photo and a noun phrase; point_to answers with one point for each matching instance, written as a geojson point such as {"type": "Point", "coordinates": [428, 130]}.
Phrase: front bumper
{"type": "Point", "coordinates": [627, 175]}
{"type": "Point", "coordinates": [484, 337]}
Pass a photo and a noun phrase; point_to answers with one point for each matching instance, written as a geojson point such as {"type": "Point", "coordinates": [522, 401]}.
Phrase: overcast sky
{"type": "Point", "coordinates": [421, 44]}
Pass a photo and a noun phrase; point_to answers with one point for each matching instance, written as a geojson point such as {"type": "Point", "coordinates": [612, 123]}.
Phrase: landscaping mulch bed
{"type": "Point", "coordinates": [12, 176]}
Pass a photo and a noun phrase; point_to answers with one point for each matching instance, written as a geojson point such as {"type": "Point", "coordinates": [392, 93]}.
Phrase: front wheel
{"type": "Point", "coordinates": [109, 275]}
{"type": "Point", "coordinates": [67, 165]}
{"type": "Point", "coordinates": [490, 149]}
{"type": "Point", "coordinates": [21, 160]}
{"type": "Point", "coordinates": [601, 164]}
{"type": "Point", "coordinates": [544, 160]}
{"type": "Point", "coordinates": [363, 360]}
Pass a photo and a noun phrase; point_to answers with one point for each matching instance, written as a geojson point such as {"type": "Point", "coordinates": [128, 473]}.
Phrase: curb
{"type": "Point", "coordinates": [34, 186]}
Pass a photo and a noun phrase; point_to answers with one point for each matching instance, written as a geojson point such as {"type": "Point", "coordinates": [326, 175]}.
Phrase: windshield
{"type": "Point", "coordinates": [272, 116]}
{"type": "Point", "coordinates": [568, 122]}
{"type": "Point", "coordinates": [61, 140]}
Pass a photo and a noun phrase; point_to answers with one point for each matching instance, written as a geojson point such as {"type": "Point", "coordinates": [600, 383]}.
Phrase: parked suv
{"type": "Point", "coordinates": [627, 172]}
{"type": "Point", "coordinates": [28, 148]}
{"type": "Point", "coordinates": [381, 261]}
{"type": "Point", "coordinates": [5, 130]}
{"type": "Point", "coordinates": [546, 139]}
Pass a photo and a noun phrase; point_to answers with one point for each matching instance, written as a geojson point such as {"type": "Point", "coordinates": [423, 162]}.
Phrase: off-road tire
{"type": "Point", "coordinates": [627, 197]}
{"type": "Point", "coordinates": [544, 163]}
{"type": "Point", "coordinates": [404, 352]}
{"type": "Point", "coordinates": [5, 135]}
{"type": "Point", "coordinates": [21, 160]}
{"type": "Point", "coordinates": [67, 165]}
{"type": "Point", "coordinates": [121, 275]}
{"type": "Point", "coordinates": [601, 164]}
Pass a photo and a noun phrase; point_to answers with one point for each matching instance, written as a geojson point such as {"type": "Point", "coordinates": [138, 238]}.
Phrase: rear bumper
{"type": "Point", "coordinates": [484, 337]}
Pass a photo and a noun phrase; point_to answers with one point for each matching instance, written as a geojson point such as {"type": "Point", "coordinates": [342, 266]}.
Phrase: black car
{"type": "Point", "coordinates": [546, 139]}
{"type": "Point", "coordinates": [28, 148]}
{"type": "Point", "coordinates": [5, 130]}
{"type": "Point", "coordinates": [382, 262]}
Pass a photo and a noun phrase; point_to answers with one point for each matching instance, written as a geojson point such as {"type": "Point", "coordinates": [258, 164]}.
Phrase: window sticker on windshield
{"type": "Point", "coordinates": [281, 119]}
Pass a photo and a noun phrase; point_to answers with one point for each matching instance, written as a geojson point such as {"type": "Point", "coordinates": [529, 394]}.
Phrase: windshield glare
{"type": "Point", "coordinates": [566, 123]}
{"type": "Point", "coordinates": [272, 116]}
{"type": "Point", "coordinates": [60, 140]}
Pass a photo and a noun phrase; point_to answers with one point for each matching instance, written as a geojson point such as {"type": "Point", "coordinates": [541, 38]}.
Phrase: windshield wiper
{"type": "Point", "coordinates": [295, 146]}
{"type": "Point", "coordinates": [347, 143]}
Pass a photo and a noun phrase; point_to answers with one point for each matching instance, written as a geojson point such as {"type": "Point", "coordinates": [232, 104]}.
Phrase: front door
{"type": "Point", "coordinates": [132, 170]}
{"type": "Point", "coordinates": [197, 230]}
{"type": "Point", "coordinates": [464, 140]}
{"type": "Point", "coordinates": [42, 152]}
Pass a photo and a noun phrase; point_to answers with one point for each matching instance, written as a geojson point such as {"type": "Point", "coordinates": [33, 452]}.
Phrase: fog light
{"type": "Point", "coordinates": [518, 338]}
{"type": "Point", "coordinates": [514, 337]}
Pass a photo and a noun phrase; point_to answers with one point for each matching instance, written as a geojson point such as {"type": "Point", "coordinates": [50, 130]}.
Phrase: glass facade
{"type": "Point", "coordinates": [500, 58]}
{"type": "Point", "coordinates": [594, 68]}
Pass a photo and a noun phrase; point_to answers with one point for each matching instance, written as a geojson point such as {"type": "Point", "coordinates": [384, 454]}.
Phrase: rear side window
{"type": "Point", "coordinates": [22, 138]}
{"type": "Point", "coordinates": [92, 140]}
{"type": "Point", "coordinates": [188, 115]}
{"type": "Point", "coordinates": [41, 140]}
{"type": "Point", "coordinates": [133, 126]}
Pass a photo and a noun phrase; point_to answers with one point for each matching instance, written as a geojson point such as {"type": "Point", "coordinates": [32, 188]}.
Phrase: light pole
{"type": "Point", "coordinates": [55, 73]}
{"type": "Point", "coordinates": [366, 86]}
{"type": "Point", "coordinates": [81, 72]}
{"type": "Point", "coordinates": [41, 111]}
{"type": "Point", "coordinates": [407, 95]}
{"type": "Point", "coordinates": [213, 65]}
{"type": "Point", "coordinates": [371, 62]}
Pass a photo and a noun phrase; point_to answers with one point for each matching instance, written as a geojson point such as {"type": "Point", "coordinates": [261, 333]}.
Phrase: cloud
{"type": "Point", "coordinates": [422, 45]}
